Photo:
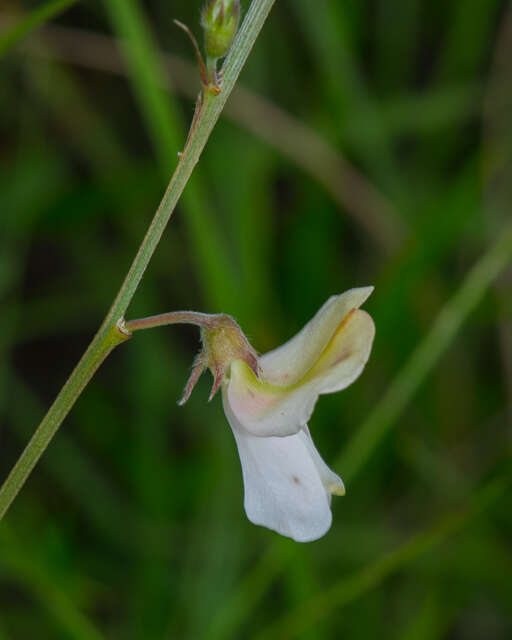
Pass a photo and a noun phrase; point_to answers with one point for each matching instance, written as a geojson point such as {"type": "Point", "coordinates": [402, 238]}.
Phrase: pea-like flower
{"type": "Point", "coordinates": [269, 399]}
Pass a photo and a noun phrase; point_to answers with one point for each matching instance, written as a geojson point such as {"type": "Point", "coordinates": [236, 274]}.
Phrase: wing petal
{"type": "Point", "coordinates": [266, 409]}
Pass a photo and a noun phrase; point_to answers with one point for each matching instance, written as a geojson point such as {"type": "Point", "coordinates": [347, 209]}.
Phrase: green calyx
{"type": "Point", "coordinates": [220, 21]}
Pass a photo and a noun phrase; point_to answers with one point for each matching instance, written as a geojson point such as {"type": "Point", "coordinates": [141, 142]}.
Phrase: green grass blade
{"type": "Point", "coordinates": [292, 138]}
{"type": "Point", "coordinates": [424, 358]}
{"type": "Point", "coordinates": [31, 21]}
{"type": "Point", "coordinates": [29, 571]}
{"type": "Point", "coordinates": [250, 590]}
{"type": "Point", "coordinates": [168, 135]}
{"type": "Point", "coordinates": [293, 624]}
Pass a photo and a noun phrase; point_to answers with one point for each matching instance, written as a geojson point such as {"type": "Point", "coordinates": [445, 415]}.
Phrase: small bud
{"type": "Point", "coordinates": [220, 22]}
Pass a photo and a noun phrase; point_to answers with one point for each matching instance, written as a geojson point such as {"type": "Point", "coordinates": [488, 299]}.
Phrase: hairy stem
{"type": "Point", "coordinates": [111, 332]}
{"type": "Point", "coordinates": [173, 317]}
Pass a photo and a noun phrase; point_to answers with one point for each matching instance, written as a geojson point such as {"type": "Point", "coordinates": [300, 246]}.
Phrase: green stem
{"type": "Point", "coordinates": [111, 333]}
{"type": "Point", "coordinates": [104, 341]}
{"type": "Point", "coordinates": [165, 128]}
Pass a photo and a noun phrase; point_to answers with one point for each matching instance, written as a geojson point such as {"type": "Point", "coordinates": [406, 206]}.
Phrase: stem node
{"type": "Point", "coordinates": [122, 330]}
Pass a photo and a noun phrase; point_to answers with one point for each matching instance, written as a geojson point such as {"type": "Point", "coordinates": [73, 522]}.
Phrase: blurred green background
{"type": "Point", "coordinates": [368, 142]}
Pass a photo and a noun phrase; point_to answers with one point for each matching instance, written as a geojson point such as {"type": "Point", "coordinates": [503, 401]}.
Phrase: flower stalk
{"type": "Point", "coordinates": [111, 332]}
{"type": "Point", "coordinates": [205, 320]}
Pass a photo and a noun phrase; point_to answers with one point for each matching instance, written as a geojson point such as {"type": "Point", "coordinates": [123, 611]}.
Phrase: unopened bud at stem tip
{"type": "Point", "coordinates": [220, 23]}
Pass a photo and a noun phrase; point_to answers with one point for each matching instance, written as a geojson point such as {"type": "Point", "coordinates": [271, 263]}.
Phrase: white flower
{"type": "Point", "coordinates": [268, 401]}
